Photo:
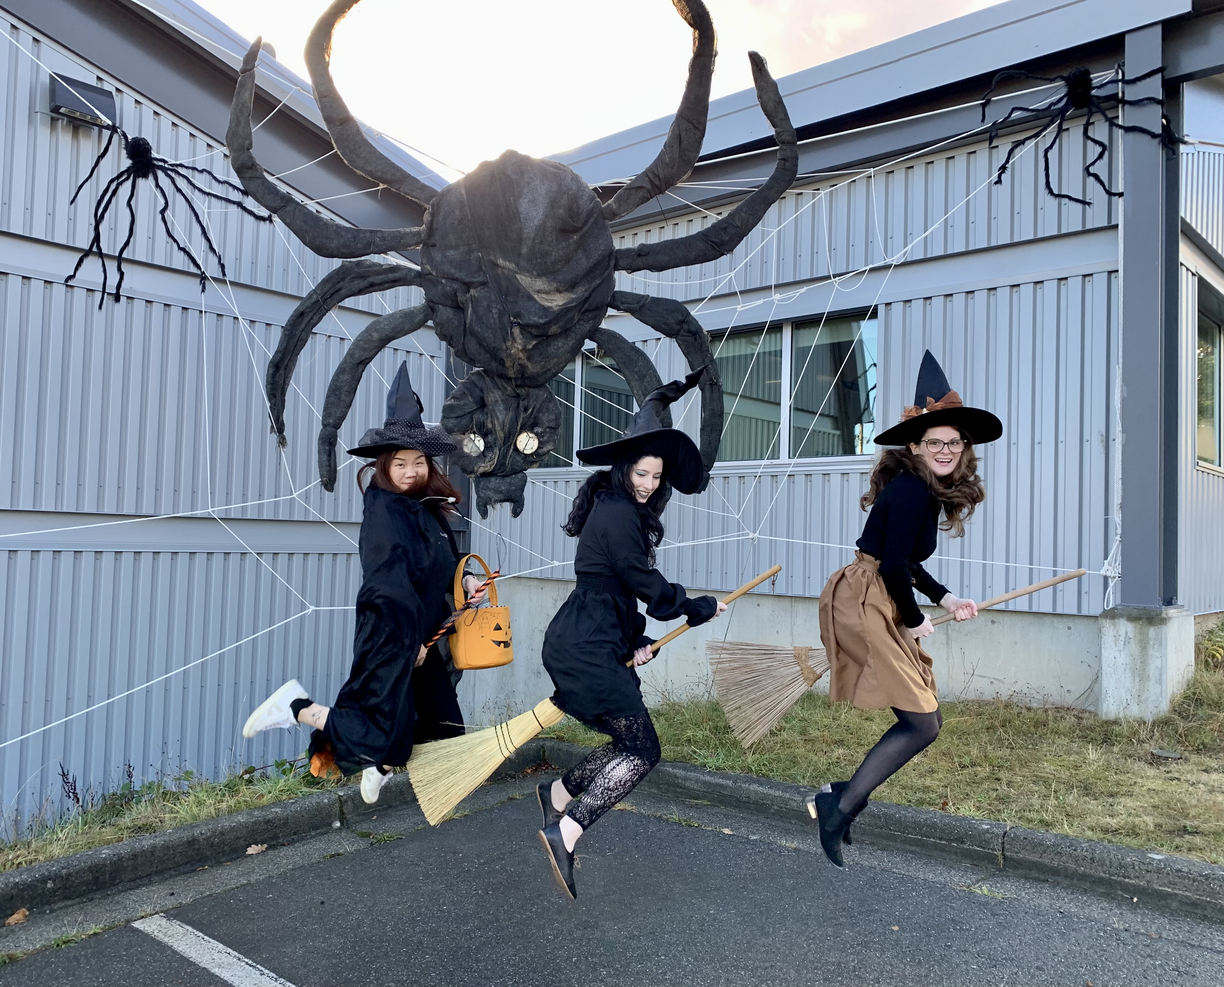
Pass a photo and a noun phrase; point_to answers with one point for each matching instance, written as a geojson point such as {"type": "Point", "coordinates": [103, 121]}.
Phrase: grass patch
{"type": "Point", "coordinates": [155, 807]}
{"type": "Point", "coordinates": [1061, 770]}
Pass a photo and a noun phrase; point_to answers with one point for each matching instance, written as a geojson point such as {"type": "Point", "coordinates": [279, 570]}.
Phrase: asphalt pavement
{"type": "Point", "coordinates": [670, 892]}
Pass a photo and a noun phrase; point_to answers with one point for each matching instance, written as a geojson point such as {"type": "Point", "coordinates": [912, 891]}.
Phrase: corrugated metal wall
{"type": "Point", "coordinates": [1202, 192]}
{"type": "Point", "coordinates": [154, 406]}
{"type": "Point", "coordinates": [1200, 574]}
{"type": "Point", "coordinates": [1040, 353]}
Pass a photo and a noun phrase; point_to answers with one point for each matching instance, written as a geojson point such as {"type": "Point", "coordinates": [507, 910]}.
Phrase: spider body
{"type": "Point", "coordinates": [517, 266]}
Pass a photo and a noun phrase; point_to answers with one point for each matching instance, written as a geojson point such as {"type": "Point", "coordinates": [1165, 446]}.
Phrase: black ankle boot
{"type": "Point", "coordinates": [833, 824]}
{"type": "Point", "coordinates": [562, 859]}
{"type": "Point", "coordinates": [838, 787]}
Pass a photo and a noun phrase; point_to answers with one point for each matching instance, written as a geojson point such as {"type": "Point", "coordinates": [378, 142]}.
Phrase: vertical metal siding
{"type": "Point", "coordinates": [150, 407]}
{"type": "Point", "coordinates": [1200, 573]}
{"type": "Point", "coordinates": [1202, 192]}
{"type": "Point", "coordinates": [910, 210]}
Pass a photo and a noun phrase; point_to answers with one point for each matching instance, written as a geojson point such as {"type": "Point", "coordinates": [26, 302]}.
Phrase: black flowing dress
{"type": "Point", "coordinates": [599, 627]}
{"type": "Point", "coordinates": [408, 559]}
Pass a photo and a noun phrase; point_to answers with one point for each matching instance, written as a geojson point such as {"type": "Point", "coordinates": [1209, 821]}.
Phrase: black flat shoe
{"type": "Point", "coordinates": [832, 824]}
{"type": "Point", "coordinates": [562, 859]}
{"type": "Point", "coordinates": [837, 787]}
{"type": "Point", "coordinates": [549, 814]}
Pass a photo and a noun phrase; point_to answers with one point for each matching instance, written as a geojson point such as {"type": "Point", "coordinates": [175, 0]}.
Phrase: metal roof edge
{"type": "Point", "coordinates": [984, 41]}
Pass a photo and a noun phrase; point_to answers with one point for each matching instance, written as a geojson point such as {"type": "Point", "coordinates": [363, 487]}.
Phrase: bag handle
{"type": "Point", "coordinates": [492, 588]}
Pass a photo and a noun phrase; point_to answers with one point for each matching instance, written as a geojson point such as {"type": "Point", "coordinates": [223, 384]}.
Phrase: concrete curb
{"type": "Point", "coordinates": [1178, 882]}
{"type": "Point", "coordinates": [90, 872]}
{"type": "Point", "coordinates": [1186, 885]}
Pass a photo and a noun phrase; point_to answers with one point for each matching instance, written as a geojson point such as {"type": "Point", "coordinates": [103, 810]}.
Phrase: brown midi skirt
{"type": "Point", "coordinates": [874, 661]}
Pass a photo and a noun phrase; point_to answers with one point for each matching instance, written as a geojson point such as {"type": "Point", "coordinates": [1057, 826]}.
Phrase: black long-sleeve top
{"type": "Point", "coordinates": [901, 531]}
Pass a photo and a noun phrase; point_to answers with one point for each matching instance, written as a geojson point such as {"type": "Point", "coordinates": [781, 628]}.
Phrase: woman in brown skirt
{"type": "Point", "coordinates": [870, 624]}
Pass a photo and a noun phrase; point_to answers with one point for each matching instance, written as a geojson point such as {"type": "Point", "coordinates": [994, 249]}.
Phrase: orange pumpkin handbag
{"type": "Point", "coordinates": [482, 634]}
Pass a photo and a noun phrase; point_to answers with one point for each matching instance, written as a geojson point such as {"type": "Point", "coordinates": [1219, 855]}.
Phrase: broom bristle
{"type": "Point", "coordinates": [758, 684]}
{"type": "Point", "coordinates": [445, 772]}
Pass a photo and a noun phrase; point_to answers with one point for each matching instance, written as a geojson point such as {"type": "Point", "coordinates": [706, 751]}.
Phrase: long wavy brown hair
{"type": "Point", "coordinates": [959, 492]}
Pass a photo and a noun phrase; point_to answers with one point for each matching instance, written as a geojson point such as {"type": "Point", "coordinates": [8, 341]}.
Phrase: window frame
{"type": "Point", "coordinates": [1210, 307]}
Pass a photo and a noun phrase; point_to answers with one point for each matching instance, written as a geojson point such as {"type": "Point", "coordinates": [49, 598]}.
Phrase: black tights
{"type": "Point", "coordinates": [908, 737]}
{"type": "Point", "coordinates": [611, 772]}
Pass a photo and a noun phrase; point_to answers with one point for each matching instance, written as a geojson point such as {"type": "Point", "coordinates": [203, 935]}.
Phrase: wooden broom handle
{"type": "Point", "coordinates": [1024, 591]}
{"type": "Point", "coordinates": [729, 598]}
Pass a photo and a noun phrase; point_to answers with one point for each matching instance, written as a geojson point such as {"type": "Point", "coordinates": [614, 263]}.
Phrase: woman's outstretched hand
{"type": "Point", "coordinates": [642, 655]}
{"type": "Point", "coordinates": [469, 586]}
{"type": "Point", "coordinates": [722, 607]}
{"type": "Point", "coordinates": [960, 609]}
{"type": "Point", "coordinates": [923, 629]}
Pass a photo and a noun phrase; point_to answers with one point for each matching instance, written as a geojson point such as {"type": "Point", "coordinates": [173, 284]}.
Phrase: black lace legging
{"type": "Point", "coordinates": [611, 772]}
{"type": "Point", "coordinates": [905, 739]}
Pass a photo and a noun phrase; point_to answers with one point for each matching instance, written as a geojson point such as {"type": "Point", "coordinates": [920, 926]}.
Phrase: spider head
{"type": "Point", "coordinates": [1079, 87]}
{"type": "Point", "coordinates": [501, 431]}
{"type": "Point", "coordinates": [140, 153]}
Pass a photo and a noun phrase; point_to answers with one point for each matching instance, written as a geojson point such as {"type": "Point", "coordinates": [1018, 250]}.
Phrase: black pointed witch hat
{"type": "Point", "coordinates": [404, 427]}
{"type": "Point", "coordinates": [935, 403]}
{"type": "Point", "coordinates": [648, 436]}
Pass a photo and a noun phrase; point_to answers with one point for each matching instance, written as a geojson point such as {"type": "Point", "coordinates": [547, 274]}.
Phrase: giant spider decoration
{"type": "Point", "coordinates": [517, 265]}
{"type": "Point", "coordinates": [1079, 93]}
{"type": "Point", "coordinates": [146, 164]}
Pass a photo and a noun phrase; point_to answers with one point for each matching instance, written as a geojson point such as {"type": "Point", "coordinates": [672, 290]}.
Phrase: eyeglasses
{"type": "Point", "coordinates": [935, 446]}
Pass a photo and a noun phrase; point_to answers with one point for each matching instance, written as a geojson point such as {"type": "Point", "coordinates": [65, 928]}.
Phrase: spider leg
{"type": "Point", "coordinates": [212, 247]}
{"type": "Point", "coordinates": [1138, 78]}
{"type": "Point", "coordinates": [131, 233]}
{"type": "Point", "coordinates": [671, 318]}
{"type": "Point", "coordinates": [634, 365]}
{"type": "Point", "coordinates": [173, 167]}
{"type": "Point", "coordinates": [1005, 76]}
{"type": "Point", "coordinates": [1090, 167]}
{"type": "Point", "coordinates": [343, 387]}
{"type": "Point", "coordinates": [1015, 147]}
{"type": "Point", "coordinates": [109, 191]}
{"type": "Point", "coordinates": [720, 238]}
{"type": "Point", "coordinates": [1045, 112]}
{"type": "Point", "coordinates": [1045, 157]}
{"type": "Point", "coordinates": [684, 138]}
{"type": "Point", "coordinates": [170, 233]}
{"type": "Point", "coordinates": [324, 236]}
{"type": "Point", "coordinates": [354, 277]}
{"type": "Point", "coordinates": [346, 133]}
{"type": "Point", "coordinates": [97, 161]}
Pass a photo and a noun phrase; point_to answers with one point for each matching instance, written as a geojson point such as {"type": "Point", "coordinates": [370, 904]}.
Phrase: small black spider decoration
{"type": "Point", "coordinates": [1080, 93]}
{"type": "Point", "coordinates": [146, 164]}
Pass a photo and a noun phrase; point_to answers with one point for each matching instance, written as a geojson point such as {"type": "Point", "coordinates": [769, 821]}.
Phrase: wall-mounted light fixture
{"type": "Point", "coordinates": [82, 102]}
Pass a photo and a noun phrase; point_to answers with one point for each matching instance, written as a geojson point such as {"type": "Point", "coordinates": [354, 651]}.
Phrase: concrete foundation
{"type": "Point", "coordinates": [1147, 657]}
{"type": "Point", "coordinates": [1033, 658]}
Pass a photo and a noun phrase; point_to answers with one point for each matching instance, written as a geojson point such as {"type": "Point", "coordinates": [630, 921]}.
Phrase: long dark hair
{"type": "Point", "coordinates": [959, 492]}
{"type": "Point", "coordinates": [436, 483]}
{"type": "Point", "coordinates": [617, 478]}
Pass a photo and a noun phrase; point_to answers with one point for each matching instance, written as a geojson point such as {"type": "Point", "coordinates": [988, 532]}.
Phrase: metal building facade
{"type": "Point", "coordinates": [150, 529]}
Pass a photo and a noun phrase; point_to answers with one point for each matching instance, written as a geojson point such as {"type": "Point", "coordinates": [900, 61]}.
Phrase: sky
{"type": "Point", "coordinates": [464, 80]}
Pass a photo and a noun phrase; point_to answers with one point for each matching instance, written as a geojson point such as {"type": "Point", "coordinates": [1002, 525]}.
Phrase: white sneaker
{"type": "Point", "coordinates": [372, 781]}
{"type": "Point", "coordinates": [274, 711]}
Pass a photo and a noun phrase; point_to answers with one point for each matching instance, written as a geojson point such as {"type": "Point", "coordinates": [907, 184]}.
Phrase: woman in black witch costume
{"type": "Point", "coordinates": [397, 693]}
{"type": "Point", "coordinates": [870, 624]}
{"type": "Point", "coordinates": [617, 519]}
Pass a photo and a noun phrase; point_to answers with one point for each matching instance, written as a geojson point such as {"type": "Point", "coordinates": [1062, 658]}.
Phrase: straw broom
{"type": "Point", "coordinates": [445, 772]}
{"type": "Point", "coordinates": [758, 684]}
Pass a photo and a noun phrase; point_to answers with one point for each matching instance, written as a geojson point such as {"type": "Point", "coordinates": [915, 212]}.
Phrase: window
{"type": "Point", "coordinates": [607, 401]}
{"type": "Point", "coordinates": [750, 364]}
{"type": "Point", "coordinates": [833, 369]}
{"type": "Point", "coordinates": [1209, 379]}
{"type": "Point", "coordinates": [563, 387]}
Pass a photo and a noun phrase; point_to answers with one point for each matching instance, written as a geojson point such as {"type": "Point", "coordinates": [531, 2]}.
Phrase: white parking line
{"type": "Point", "coordinates": [233, 968]}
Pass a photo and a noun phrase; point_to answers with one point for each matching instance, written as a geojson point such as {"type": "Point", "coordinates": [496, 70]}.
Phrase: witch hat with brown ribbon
{"type": "Point", "coordinates": [935, 403]}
